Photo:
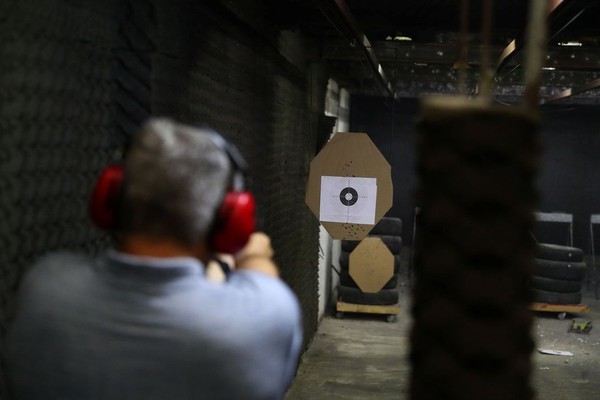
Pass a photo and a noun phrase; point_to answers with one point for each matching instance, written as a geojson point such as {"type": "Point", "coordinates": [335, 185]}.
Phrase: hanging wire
{"type": "Point", "coordinates": [485, 80]}
{"type": "Point", "coordinates": [462, 62]}
{"type": "Point", "coordinates": [392, 131]}
{"type": "Point", "coordinates": [535, 51]}
{"type": "Point", "coordinates": [351, 40]}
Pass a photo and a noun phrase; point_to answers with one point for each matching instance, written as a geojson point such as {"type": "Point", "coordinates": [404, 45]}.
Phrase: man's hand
{"type": "Point", "coordinates": [257, 255]}
{"type": "Point", "coordinates": [215, 271]}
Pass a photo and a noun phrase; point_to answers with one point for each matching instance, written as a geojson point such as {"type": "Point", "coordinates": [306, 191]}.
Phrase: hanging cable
{"type": "Point", "coordinates": [536, 48]}
{"type": "Point", "coordinates": [462, 62]}
{"type": "Point", "coordinates": [486, 78]}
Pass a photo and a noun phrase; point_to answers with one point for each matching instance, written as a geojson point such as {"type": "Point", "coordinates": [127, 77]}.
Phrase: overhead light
{"type": "Point", "coordinates": [399, 38]}
{"type": "Point", "coordinates": [548, 68]}
{"type": "Point", "coordinates": [570, 44]}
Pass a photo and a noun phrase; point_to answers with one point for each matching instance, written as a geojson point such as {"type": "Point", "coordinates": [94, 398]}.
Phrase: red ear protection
{"type": "Point", "coordinates": [104, 202]}
{"type": "Point", "coordinates": [235, 220]}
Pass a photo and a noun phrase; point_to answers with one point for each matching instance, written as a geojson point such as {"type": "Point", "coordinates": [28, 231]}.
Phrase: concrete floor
{"type": "Point", "coordinates": [364, 357]}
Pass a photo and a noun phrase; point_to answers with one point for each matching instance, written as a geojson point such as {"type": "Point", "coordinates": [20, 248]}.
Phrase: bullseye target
{"type": "Point", "coordinates": [348, 196]}
{"type": "Point", "coordinates": [348, 199]}
{"type": "Point", "coordinates": [346, 206]}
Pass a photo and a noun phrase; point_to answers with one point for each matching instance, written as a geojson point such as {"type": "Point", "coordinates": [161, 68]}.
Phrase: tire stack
{"type": "Point", "coordinates": [389, 230]}
{"type": "Point", "coordinates": [559, 274]}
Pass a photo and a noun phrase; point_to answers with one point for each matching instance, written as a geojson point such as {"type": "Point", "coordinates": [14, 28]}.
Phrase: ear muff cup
{"type": "Point", "coordinates": [235, 222]}
{"type": "Point", "coordinates": [106, 196]}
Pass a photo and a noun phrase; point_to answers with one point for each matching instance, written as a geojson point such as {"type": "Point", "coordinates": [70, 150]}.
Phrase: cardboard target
{"type": "Point", "coordinates": [349, 155]}
{"type": "Point", "coordinates": [348, 199]}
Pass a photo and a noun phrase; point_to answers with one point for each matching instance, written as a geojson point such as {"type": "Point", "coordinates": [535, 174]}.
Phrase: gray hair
{"type": "Point", "coordinates": [175, 179]}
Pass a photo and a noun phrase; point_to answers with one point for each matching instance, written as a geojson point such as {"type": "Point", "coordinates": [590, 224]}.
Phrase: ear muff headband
{"type": "Point", "coordinates": [236, 218]}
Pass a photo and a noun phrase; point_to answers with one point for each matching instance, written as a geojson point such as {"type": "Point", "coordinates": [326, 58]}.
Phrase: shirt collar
{"type": "Point", "coordinates": [166, 267]}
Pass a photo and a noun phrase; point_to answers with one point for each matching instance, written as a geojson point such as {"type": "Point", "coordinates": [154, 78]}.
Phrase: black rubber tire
{"type": "Point", "coordinates": [556, 252]}
{"type": "Point", "coordinates": [384, 297]}
{"type": "Point", "coordinates": [388, 226]}
{"type": "Point", "coordinates": [393, 243]}
{"type": "Point", "coordinates": [344, 262]}
{"type": "Point", "coordinates": [555, 285]}
{"type": "Point", "coordinates": [543, 296]}
{"type": "Point", "coordinates": [349, 245]}
{"type": "Point", "coordinates": [571, 271]}
{"type": "Point", "coordinates": [397, 263]}
{"type": "Point", "coordinates": [346, 280]}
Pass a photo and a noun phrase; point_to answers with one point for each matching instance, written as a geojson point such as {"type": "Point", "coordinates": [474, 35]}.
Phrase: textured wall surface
{"type": "Point", "coordinates": [77, 78]}
{"type": "Point", "coordinates": [58, 130]}
{"type": "Point", "coordinates": [391, 126]}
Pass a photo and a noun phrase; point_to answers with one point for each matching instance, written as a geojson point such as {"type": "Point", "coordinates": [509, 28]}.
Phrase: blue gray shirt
{"type": "Point", "coordinates": [124, 327]}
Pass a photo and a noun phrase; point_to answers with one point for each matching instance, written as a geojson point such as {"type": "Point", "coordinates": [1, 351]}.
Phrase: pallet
{"type": "Point", "coordinates": [391, 311]}
{"type": "Point", "coordinates": [561, 309]}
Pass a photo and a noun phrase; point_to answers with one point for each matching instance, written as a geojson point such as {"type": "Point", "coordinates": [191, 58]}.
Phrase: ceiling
{"type": "Point", "coordinates": [414, 46]}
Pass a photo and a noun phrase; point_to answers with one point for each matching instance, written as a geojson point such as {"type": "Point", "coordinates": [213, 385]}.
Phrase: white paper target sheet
{"type": "Point", "coordinates": [348, 199]}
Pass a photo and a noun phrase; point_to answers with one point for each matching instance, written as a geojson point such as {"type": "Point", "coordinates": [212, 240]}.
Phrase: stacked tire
{"type": "Point", "coordinates": [559, 274]}
{"type": "Point", "coordinates": [389, 230]}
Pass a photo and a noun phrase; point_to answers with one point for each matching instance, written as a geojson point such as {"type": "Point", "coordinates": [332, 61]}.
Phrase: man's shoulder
{"type": "Point", "coordinates": [259, 282]}
{"type": "Point", "coordinates": [60, 261]}
{"type": "Point", "coordinates": [64, 256]}
{"type": "Point", "coordinates": [57, 266]}
{"type": "Point", "coordinates": [270, 297]}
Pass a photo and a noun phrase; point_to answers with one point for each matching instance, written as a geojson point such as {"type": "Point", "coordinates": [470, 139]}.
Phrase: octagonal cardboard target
{"type": "Point", "coordinates": [371, 265]}
{"type": "Point", "coordinates": [349, 186]}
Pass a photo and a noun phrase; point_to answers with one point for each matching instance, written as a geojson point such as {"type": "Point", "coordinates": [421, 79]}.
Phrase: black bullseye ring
{"type": "Point", "coordinates": [348, 196]}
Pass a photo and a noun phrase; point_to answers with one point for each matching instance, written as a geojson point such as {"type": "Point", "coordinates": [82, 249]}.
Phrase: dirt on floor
{"type": "Point", "coordinates": [364, 357]}
{"type": "Point", "coordinates": [572, 377]}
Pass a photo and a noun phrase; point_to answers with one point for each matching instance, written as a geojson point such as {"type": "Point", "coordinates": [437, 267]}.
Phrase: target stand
{"type": "Point", "coordinates": [390, 311]}
{"type": "Point", "coordinates": [561, 309]}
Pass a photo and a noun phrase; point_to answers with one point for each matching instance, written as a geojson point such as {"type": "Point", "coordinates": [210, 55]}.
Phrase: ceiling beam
{"type": "Point", "coordinates": [390, 53]}
{"type": "Point", "coordinates": [360, 40]}
{"type": "Point", "coordinates": [561, 15]}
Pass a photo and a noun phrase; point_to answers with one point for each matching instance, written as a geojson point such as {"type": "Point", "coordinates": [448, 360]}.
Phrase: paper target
{"type": "Point", "coordinates": [348, 199]}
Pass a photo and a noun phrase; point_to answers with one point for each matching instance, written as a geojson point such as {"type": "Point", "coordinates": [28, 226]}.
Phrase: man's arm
{"type": "Point", "coordinates": [257, 255]}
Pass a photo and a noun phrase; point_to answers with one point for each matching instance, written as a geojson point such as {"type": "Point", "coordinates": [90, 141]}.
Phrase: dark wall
{"type": "Point", "coordinates": [391, 127]}
{"type": "Point", "coordinates": [570, 170]}
{"type": "Point", "coordinates": [569, 167]}
{"type": "Point", "coordinates": [78, 77]}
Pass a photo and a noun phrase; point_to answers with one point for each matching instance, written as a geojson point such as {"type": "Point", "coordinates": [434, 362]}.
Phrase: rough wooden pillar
{"type": "Point", "coordinates": [474, 254]}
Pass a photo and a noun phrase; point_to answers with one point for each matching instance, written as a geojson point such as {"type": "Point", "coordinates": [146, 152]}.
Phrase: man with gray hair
{"type": "Point", "coordinates": [143, 321]}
